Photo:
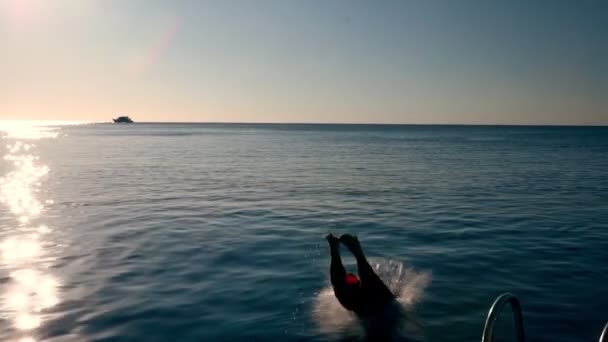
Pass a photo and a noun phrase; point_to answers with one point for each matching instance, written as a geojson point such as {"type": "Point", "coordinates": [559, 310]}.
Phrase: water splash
{"type": "Point", "coordinates": [407, 284]}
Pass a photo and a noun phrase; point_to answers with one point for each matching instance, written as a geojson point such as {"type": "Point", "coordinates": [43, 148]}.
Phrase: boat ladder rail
{"type": "Point", "coordinates": [499, 303]}
{"type": "Point", "coordinates": [604, 336]}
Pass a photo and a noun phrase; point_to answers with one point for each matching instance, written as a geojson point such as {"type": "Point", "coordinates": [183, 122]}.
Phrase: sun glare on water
{"type": "Point", "coordinates": [31, 288]}
{"type": "Point", "coordinates": [33, 130]}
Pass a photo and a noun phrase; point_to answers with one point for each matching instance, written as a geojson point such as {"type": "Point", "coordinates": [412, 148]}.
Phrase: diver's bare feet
{"type": "Point", "coordinates": [334, 242]}
{"type": "Point", "coordinates": [352, 243]}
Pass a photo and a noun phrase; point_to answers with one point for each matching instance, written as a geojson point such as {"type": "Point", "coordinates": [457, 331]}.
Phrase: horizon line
{"type": "Point", "coordinates": [67, 122]}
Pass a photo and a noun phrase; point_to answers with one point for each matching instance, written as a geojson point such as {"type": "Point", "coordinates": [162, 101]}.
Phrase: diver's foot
{"type": "Point", "coordinates": [352, 242]}
{"type": "Point", "coordinates": [334, 242]}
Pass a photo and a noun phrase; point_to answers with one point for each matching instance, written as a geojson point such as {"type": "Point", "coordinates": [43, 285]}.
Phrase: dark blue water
{"type": "Point", "coordinates": [165, 232]}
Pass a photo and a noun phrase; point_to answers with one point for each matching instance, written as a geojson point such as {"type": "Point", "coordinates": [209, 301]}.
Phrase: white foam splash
{"type": "Point", "coordinates": [407, 284]}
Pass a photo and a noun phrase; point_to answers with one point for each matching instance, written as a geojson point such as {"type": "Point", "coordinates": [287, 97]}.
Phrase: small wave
{"type": "Point", "coordinates": [485, 139]}
{"type": "Point", "coordinates": [407, 284]}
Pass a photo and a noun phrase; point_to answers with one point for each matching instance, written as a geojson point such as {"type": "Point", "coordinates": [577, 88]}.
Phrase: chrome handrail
{"type": "Point", "coordinates": [604, 336]}
{"type": "Point", "coordinates": [499, 303]}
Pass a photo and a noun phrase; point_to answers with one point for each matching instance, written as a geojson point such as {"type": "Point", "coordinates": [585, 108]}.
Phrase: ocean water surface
{"type": "Point", "coordinates": [212, 232]}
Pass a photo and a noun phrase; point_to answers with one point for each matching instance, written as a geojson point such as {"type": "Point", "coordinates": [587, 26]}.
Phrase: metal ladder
{"type": "Point", "coordinates": [604, 336]}
{"type": "Point", "coordinates": [499, 303]}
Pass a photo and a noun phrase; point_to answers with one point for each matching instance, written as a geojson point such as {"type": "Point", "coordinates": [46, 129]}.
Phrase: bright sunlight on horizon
{"type": "Point", "coordinates": [406, 62]}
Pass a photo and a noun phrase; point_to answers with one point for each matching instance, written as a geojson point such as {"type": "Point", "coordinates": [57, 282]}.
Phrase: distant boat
{"type": "Point", "coordinates": [123, 119]}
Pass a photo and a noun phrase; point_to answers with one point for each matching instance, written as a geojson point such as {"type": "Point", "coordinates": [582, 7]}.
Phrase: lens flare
{"type": "Point", "coordinates": [150, 55]}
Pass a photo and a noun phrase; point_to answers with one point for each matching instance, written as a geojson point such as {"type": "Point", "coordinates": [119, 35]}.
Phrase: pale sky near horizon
{"type": "Point", "coordinates": [481, 62]}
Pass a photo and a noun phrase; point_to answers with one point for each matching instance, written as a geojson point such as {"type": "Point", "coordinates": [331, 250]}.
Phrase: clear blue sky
{"type": "Point", "coordinates": [504, 62]}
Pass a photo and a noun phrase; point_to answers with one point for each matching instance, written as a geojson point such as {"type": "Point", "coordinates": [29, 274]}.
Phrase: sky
{"type": "Point", "coordinates": [338, 61]}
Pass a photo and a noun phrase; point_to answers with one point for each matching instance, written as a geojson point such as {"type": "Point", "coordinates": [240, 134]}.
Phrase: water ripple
{"type": "Point", "coordinates": [215, 232]}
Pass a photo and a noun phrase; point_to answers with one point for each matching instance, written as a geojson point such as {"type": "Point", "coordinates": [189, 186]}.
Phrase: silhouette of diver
{"type": "Point", "coordinates": [367, 295]}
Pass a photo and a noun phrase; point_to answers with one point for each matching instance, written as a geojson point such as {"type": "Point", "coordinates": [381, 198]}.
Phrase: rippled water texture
{"type": "Point", "coordinates": [166, 232]}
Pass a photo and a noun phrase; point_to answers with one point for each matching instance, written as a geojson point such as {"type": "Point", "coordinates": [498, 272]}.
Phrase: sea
{"type": "Point", "coordinates": [216, 232]}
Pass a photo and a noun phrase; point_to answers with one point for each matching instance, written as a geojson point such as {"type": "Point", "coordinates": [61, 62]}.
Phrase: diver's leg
{"type": "Point", "coordinates": [336, 269]}
{"type": "Point", "coordinates": [369, 278]}
{"type": "Point", "coordinates": [343, 293]}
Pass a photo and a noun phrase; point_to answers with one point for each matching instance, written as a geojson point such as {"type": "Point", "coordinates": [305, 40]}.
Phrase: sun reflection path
{"type": "Point", "coordinates": [31, 288]}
